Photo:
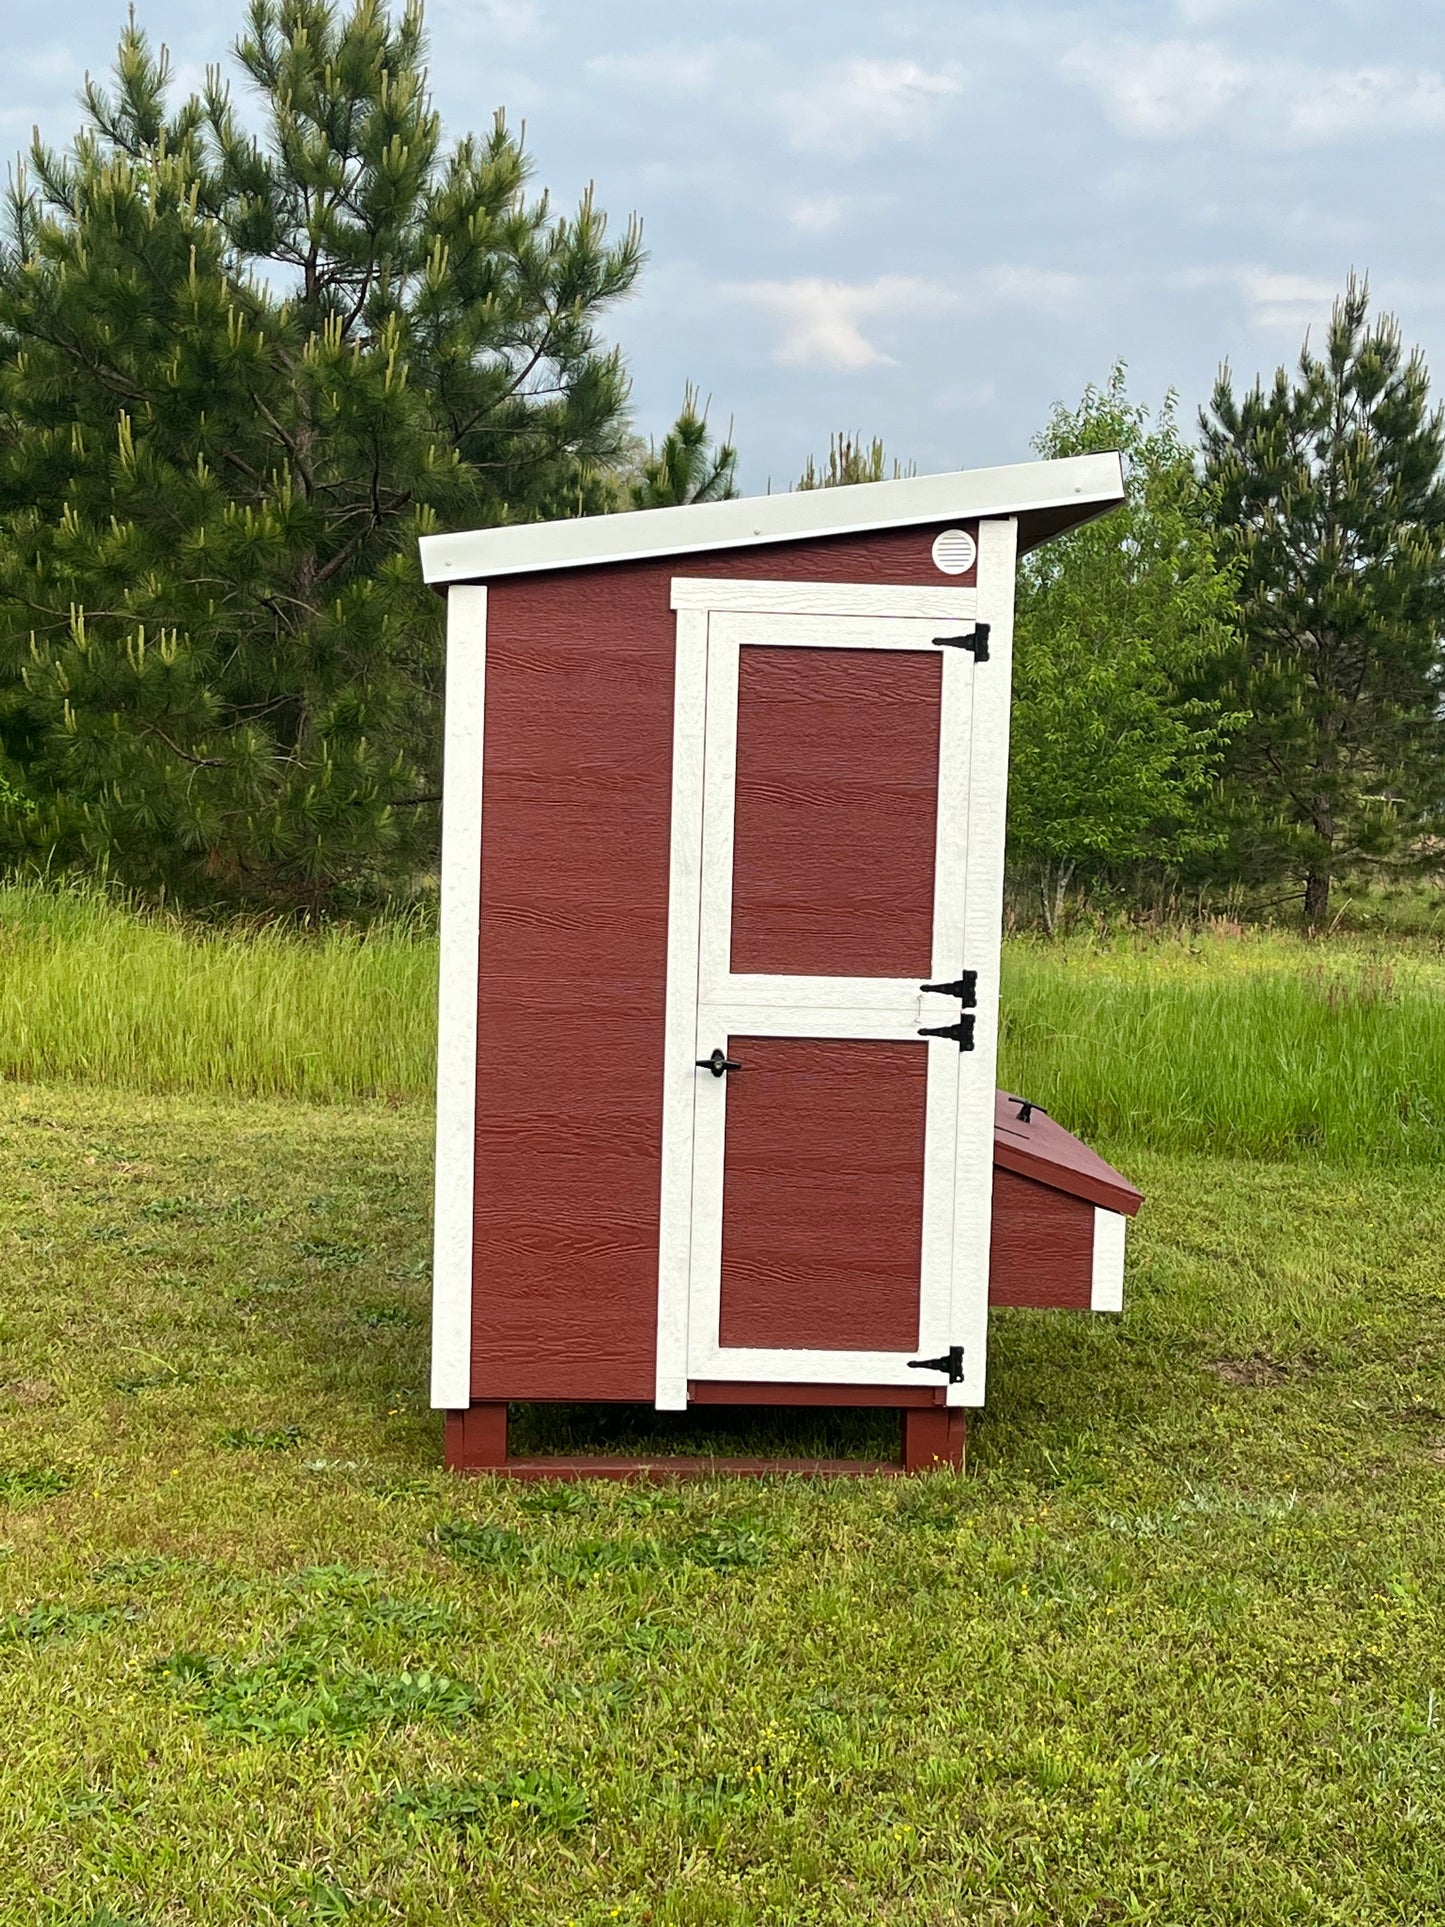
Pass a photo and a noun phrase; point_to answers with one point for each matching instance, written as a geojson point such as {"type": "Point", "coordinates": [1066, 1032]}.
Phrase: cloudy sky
{"type": "Point", "coordinates": [929, 221]}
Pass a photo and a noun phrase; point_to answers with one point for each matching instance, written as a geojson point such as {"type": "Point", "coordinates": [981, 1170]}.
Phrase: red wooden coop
{"type": "Point", "coordinates": [722, 873]}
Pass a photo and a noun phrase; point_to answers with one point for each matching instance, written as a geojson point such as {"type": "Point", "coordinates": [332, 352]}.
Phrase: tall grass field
{"type": "Point", "coordinates": [1262, 1045]}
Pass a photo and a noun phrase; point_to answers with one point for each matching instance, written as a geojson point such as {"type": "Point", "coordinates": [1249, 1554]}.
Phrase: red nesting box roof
{"type": "Point", "coordinates": [1036, 1147]}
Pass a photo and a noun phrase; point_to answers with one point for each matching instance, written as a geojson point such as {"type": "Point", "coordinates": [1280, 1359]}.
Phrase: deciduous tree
{"type": "Point", "coordinates": [1110, 763]}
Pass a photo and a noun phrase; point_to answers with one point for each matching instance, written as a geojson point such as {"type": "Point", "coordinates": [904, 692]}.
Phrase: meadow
{"type": "Point", "coordinates": [1170, 1651]}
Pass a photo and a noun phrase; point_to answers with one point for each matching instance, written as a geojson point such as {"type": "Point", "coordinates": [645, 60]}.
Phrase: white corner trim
{"type": "Point", "coordinates": [944, 603]}
{"type": "Point", "coordinates": [1080, 485]}
{"type": "Point", "coordinates": [679, 1074]}
{"type": "Point", "coordinates": [1106, 1289]}
{"type": "Point", "coordinates": [461, 898]}
{"type": "Point", "coordinates": [982, 936]}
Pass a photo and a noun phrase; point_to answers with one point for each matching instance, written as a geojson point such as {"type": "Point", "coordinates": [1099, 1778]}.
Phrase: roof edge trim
{"type": "Point", "coordinates": [1077, 488]}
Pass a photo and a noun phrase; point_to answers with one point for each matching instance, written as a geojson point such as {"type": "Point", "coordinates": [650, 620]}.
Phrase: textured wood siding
{"type": "Point", "coordinates": [571, 992]}
{"type": "Point", "coordinates": [1042, 1248]}
{"type": "Point", "coordinates": [836, 813]}
{"type": "Point", "coordinates": [823, 1195]}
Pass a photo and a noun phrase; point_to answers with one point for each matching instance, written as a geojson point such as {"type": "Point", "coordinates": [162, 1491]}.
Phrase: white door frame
{"type": "Point", "coordinates": [703, 996]}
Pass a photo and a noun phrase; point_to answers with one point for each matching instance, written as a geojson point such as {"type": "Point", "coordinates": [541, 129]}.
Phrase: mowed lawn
{"type": "Point", "coordinates": [1170, 1651]}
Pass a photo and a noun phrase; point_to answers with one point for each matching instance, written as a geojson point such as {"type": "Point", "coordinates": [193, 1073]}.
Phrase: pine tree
{"type": "Point", "coordinates": [1111, 762]}
{"type": "Point", "coordinates": [239, 376]}
{"type": "Point", "coordinates": [851, 459]}
{"type": "Point", "coordinates": [1331, 503]}
{"type": "Point", "coordinates": [690, 466]}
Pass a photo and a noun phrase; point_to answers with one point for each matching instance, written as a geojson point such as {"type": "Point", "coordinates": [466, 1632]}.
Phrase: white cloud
{"type": "Point", "coordinates": [1170, 89]}
{"type": "Point", "coordinates": [826, 213]}
{"type": "Point", "coordinates": [1157, 92]}
{"type": "Point", "coordinates": [825, 324]}
{"type": "Point", "coordinates": [671, 70]}
{"type": "Point", "coordinates": [822, 319]}
{"type": "Point", "coordinates": [1275, 302]}
{"type": "Point", "coordinates": [513, 20]}
{"type": "Point", "coordinates": [1204, 13]}
{"type": "Point", "coordinates": [854, 105]}
{"type": "Point", "coordinates": [1044, 290]}
{"type": "Point", "coordinates": [818, 213]}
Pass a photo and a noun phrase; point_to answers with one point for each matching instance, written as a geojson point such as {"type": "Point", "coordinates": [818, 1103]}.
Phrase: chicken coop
{"type": "Point", "coordinates": [722, 877]}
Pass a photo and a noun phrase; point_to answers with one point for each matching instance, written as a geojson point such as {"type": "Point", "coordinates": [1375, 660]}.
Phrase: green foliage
{"type": "Point", "coordinates": [690, 466]}
{"type": "Point", "coordinates": [1110, 761]}
{"type": "Point", "coordinates": [1331, 505]}
{"type": "Point", "coordinates": [851, 459]}
{"type": "Point", "coordinates": [239, 376]}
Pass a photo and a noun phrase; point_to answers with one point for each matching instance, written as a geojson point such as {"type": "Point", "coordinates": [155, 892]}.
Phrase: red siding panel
{"type": "Point", "coordinates": [823, 1194]}
{"type": "Point", "coordinates": [1042, 1249]}
{"type": "Point", "coordinates": [837, 790]}
{"type": "Point", "coordinates": [572, 987]}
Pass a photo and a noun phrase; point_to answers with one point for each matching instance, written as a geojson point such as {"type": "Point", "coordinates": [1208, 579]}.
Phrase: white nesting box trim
{"type": "Point", "coordinates": [1106, 1289]}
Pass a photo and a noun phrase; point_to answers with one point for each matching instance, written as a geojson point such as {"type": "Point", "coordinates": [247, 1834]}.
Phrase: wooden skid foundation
{"type": "Point", "coordinates": [933, 1437]}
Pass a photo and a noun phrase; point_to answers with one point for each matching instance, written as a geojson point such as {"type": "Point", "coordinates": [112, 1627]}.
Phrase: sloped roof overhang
{"type": "Point", "coordinates": [1048, 498]}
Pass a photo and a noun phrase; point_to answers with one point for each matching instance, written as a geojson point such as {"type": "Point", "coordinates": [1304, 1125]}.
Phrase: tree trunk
{"type": "Point", "coordinates": [1317, 898]}
{"type": "Point", "coordinates": [1052, 886]}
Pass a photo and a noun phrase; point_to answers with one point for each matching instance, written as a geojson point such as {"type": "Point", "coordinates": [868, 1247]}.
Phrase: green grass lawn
{"type": "Point", "coordinates": [1171, 1651]}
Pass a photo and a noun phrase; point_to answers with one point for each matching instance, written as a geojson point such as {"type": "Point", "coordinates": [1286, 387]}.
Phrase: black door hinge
{"type": "Point", "coordinates": [951, 1362]}
{"type": "Point", "coordinates": [962, 1030]}
{"type": "Point", "coordinates": [965, 988]}
{"type": "Point", "coordinates": [976, 644]}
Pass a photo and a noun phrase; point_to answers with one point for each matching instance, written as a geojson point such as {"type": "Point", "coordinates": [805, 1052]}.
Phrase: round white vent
{"type": "Point", "coordinates": [954, 551]}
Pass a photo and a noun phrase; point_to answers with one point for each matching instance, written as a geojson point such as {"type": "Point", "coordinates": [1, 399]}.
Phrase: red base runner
{"type": "Point", "coordinates": [476, 1441]}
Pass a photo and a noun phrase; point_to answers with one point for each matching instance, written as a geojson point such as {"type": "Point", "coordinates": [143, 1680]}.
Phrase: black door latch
{"type": "Point", "coordinates": [718, 1064]}
{"type": "Point", "coordinates": [965, 988]}
{"type": "Point", "coordinates": [951, 1362]}
{"type": "Point", "coordinates": [976, 644]}
{"type": "Point", "coordinates": [962, 1030]}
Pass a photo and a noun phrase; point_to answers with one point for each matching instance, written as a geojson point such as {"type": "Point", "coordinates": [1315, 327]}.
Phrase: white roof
{"type": "Point", "coordinates": [1047, 498]}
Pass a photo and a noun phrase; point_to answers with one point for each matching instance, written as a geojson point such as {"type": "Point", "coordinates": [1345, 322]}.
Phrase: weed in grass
{"type": "Point", "coordinates": [170, 1210]}
{"type": "Point", "coordinates": [242, 1438]}
{"type": "Point", "coordinates": [165, 1380]}
{"type": "Point", "coordinates": [327, 1900]}
{"type": "Point", "coordinates": [385, 1317]}
{"type": "Point", "coordinates": [295, 1693]}
{"type": "Point", "coordinates": [490, 1548]}
{"type": "Point", "coordinates": [330, 1255]}
{"type": "Point", "coordinates": [726, 1548]}
{"type": "Point", "coordinates": [537, 1796]}
{"type": "Point", "coordinates": [56, 1622]}
{"type": "Point", "coordinates": [18, 1483]}
{"type": "Point", "coordinates": [133, 1572]}
{"type": "Point", "coordinates": [566, 1497]}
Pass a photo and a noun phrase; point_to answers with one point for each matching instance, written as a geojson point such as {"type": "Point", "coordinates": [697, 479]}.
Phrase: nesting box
{"type": "Point", "coordinates": [723, 843]}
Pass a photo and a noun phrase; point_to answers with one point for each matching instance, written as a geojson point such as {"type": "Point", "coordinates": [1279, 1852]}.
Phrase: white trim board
{"type": "Point", "coordinates": [1106, 1286]}
{"type": "Point", "coordinates": [1059, 493]}
{"type": "Point", "coordinates": [931, 603]}
{"type": "Point", "coordinates": [461, 898]}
